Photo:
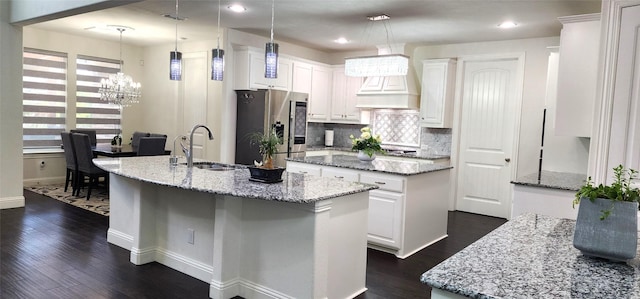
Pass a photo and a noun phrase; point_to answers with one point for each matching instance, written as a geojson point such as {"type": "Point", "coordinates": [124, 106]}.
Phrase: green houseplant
{"type": "Point", "coordinates": [606, 225]}
{"type": "Point", "coordinates": [267, 146]}
{"type": "Point", "coordinates": [264, 171]}
{"type": "Point", "coordinates": [367, 144]}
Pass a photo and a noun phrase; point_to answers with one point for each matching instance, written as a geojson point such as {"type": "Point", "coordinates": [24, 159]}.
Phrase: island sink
{"type": "Point", "coordinates": [213, 166]}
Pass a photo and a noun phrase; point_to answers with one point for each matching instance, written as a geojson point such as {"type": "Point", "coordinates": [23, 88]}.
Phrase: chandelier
{"type": "Point", "coordinates": [120, 89]}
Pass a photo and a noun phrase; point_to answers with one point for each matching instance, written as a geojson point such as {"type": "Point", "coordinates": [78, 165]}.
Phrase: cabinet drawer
{"type": "Point", "coordinates": [293, 167]}
{"type": "Point", "coordinates": [342, 174]}
{"type": "Point", "coordinates": [385, 182]}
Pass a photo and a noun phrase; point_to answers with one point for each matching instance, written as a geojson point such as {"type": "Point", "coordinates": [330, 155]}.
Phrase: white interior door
{"type": "Point", "coordinates": [489, 100]}
{"type": "Point", "coordinates": [194, 98]}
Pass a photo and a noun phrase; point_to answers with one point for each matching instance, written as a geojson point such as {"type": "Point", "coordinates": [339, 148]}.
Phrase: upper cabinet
{"type": "Point", "coordinates": [577, 74]}
{"type": "Point", "coordinates": [344, 97]}
{"type": "Point", "coordinates": [315, 80]}
{"type": "Point", "coordinates": [438, 88]}
{"type": "Point", "coordinates": [249, 71]}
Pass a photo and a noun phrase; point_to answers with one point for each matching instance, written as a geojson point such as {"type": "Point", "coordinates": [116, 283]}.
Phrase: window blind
{"type": "Point", "coordinates": [44, 91]}
{"type": "Point", "coordinates": [91, 112]}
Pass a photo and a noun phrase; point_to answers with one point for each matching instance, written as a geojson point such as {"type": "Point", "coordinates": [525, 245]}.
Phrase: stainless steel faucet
{"type": "Point", "coordinates": [189, 153]}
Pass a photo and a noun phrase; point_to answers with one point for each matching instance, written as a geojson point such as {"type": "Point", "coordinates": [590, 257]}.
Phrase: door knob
{"type": "Point", "coordinates": [507, 160]}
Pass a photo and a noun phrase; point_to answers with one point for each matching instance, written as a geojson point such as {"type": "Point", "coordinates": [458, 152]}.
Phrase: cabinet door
{"type": "Point", "coordinates": [436, 102]}
{"type": "Point", "coordinates": [344, 97]}
{"type": "Point", "coordinates": [577, 75]}
{"type": "Point", "coordinates": [302, 77]}
{"type": "Point", "coordinates": [320, 94]}
{"type": "Point", "coordinates": [256, 73]}
{"type": "Point", "coordinates": [385, 218]}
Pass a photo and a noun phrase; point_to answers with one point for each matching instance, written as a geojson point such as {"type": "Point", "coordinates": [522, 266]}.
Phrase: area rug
{"type": "Point", "coordinates": [98, 203]}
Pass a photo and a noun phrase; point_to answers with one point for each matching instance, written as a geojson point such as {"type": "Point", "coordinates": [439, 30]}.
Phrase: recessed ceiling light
{"type": "Point", "coordinates": [341, 40]}
{"type": "Point", "coordinates": [507, 25]}
{"type": "Point", "coordinates": [237, 8]}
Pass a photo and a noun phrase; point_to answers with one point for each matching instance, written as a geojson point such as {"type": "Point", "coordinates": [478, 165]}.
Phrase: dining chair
{"type": "Point", "coordinates": [72, 162]}
{"type": "Point", "coordinates": [91, 133]}
{"type": "Point", "coordinates": [151, 146]}
{"type": "Point", "coordinates": [86, 168]}
{"type": "Point", "coordinates": [135, 138]}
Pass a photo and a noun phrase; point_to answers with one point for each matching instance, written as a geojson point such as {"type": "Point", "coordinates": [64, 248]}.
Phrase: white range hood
{"type": "Point", "coordinates": [392, 92]}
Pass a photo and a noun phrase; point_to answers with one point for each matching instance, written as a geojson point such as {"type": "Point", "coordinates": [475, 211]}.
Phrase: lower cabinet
{"type": "Point", "coordinates": [385, 218]}
{"type": "Point", "coordinates": [406, 213]}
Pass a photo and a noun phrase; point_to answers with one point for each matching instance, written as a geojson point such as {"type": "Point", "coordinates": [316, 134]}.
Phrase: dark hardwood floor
{"type": "Point", "coordinates": [53, 250]}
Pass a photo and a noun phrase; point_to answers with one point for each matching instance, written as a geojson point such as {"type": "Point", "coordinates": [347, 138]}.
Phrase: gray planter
{"type": "Point", "coordinates": [614, 238]}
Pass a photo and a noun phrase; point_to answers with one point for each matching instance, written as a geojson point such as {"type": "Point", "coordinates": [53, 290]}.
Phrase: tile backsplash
{"type": "Point", "coordinates": [398, 127]}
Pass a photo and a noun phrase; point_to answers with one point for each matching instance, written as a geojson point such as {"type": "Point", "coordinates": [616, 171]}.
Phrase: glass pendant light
{"type": "Point", "coordinates": [217, 56]}
{"type": "Point", "coordinates": [175, 57]}
{"type": "Point", "coordinates": [271, 52]}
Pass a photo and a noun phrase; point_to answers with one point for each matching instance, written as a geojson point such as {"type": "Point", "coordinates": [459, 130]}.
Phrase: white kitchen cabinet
{"type": "Point", "coordinates": [249, 71]}
{"type": "Point", "coordinates": [385, 218]}
{"type": "Point", "coordinates": [577, 75]}
{"type": "Point", "coordinates": [438, 88]}
{"type": "Point", "coordinates": [344, 98]}
{"type": "Point", "coordinates": [406, 213]}
{"type": "Point", "coordinates": [302, 76]}
{"type": "Point", "coordinates": [320, 93]}
{"type": "Point", "coordinates": [385, 209]}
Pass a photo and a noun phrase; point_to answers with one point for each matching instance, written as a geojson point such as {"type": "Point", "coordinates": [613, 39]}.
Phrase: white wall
{"type": "Point", "coordinates": [536, 57]}
{"type": "Point", "coordinates": [11, 111]}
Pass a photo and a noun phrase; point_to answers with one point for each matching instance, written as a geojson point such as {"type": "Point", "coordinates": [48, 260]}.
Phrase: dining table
{"type": "Point", "coordinates": [125, 150]}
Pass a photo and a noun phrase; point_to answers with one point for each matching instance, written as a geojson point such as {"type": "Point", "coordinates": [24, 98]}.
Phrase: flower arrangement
{"type": "Point", "coordinates": [367, 142]}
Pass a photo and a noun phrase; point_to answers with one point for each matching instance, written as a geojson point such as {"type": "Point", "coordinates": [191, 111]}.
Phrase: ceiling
{"type": "Point", "coordinates": [317, 23]}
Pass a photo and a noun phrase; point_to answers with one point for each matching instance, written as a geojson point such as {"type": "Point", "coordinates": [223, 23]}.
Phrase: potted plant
{"type": "Point", "coordinates": [264, 171]}
{"type": "Point", "coordinates": [367, 144]}
{"type": "Point", "coordinates": [607, 220]}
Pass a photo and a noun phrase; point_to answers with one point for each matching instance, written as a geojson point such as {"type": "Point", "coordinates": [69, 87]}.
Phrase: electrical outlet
{"type": "Point", "coordinates": [190, 235]}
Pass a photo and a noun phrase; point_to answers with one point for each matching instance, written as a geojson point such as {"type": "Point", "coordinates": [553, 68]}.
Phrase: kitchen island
{"type": "Point", "coordinates": [531, 256]}
{"type": "Point", "coordinates": [409, 210]}
{"type": "Point", "coordinates": [302, 238]}
{"type": "Point", "coordinates": [549, 193]}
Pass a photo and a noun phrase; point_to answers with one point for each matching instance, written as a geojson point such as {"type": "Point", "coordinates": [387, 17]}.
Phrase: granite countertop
{"type": "Point", "coordinates": [532, 256]}
{"type": "Point", "coordinates": [380, 164]}
{"type": "Point", "coordinates": [298, 188]}
{"type": "Point", "coordinates": [553, 180]}
{"type": "Point", "coordinates": [418, 154]}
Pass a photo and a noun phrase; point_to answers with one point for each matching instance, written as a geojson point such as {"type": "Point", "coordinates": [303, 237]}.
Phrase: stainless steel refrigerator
{"type": "Point", "coordinates": [265, 109]}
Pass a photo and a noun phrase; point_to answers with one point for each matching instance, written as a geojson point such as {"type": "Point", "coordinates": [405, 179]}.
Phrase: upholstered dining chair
{"type": "Point", "coordinates": [151, 146]}
{"type": "Point", "coordinates": [86, 168]}
{"type": "Point", "coordinates": [135, 138]}
{"type": "Point", "coordinates": [91, 133]}
{"type": "Point", "coordinates": [72, 163]}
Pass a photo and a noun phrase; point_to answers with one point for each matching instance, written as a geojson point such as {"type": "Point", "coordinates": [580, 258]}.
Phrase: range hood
{"type": "Point", "coordinates": [391, 92]}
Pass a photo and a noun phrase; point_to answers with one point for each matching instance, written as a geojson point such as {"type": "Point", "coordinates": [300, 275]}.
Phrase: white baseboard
{"type": "Point", "coordinates": [141, 256]}
{"type": "Point", "coordinates": [12, 202]}
{"type": "Point", "coordinates": [406, 255]}
{"type": "Point", "coordinates": [119, 238]}
{"type": "Point", "coordinates": [184, 264]}
{"type": "Point", "coordinates": [43, 181]}
{"type": "Point", "coordinates": [224, 290]}
{"type": "Point", "coordinates": [246, 289]}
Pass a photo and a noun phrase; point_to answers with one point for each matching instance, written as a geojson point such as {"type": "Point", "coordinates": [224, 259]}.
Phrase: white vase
{"type": "Point", "coordinates": [362, 156]}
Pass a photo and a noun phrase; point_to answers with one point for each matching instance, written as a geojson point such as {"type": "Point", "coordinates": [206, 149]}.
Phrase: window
{"type": "Point", "coordinates": [91, 112]}
{"type": "Point", "coordinates": [44, 91]}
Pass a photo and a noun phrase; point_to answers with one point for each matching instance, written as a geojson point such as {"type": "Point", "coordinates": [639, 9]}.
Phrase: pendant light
{"type": "Point", "coordinates": [119, 88]}
{"type": "Point", "coordinates": [271, 52]}
{"type": "Point", "coordinates": [217, 56]}
{"type": "Point", "coordinates": [175, 57]}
